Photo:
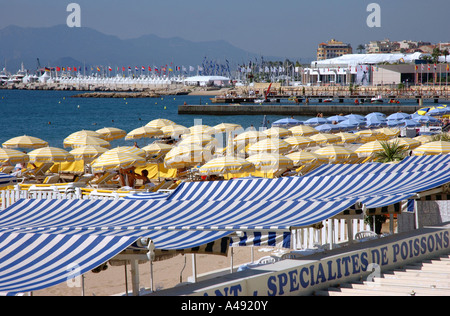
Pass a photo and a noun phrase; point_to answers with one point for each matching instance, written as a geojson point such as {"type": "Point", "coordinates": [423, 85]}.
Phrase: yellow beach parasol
{"type": "Point", "coordinates": [144, 132]}
{"type": "Point", "coordinates": [87, 153]}
{"type": "Point", "coordinates": [130, 150]}
{"type": "Point", "coordinates": [25, 142]}
{"type": "Point", "coordinates": [201, 129]}
{"type": "Point", "coordinates": [389, 132]}
{"type": "Point", "coordinates": [370, 148]}
{"type": "Point", "coordinates": [300, 142]}
{"type": "Point", "coordinates": [304, 157]}
{"type": "Point", "coordinates": [198, 139]}
{"type": "Point", "coordinates": [83, 133]}
{"type": "Point", "coordinates": [270, 162]}
{"type": "Point", "coordinates": [226, 127]}
{"type": "Point", "coordinates": [50, 154]}
{"type": "Point", "coordinates": [406, 142]}
{"type": "Point", "coordinates": [174, 130]}
{"type": "Point", "coordinates": [423, 139]}
{"type": "Point", "coordinates": [337, 154]}
{"type": "Point", "coordinates": [277, 132]}
{"type": "Point", "coordinates": [111, 133]}
{"type": "Point", "coordinates": [369, 135]}
{"type": "Point", "coordinates": [251, 136]}
{"type": "Point", "coordinates": [157, 149]}
{"type": "Point", "coordinates": [159, 123]}
{"type": "Point", "coordinates": [12, 156]}
{"type": "Point", "coordinates": [433, 148]}
{"type": "Point", "coordinates": [270, 145]}
{"type": "Point", "coordinates": [186, 156]}
{"type": "Point", "coordinates": [76, 142]}
{"type": "Point", "coordinates": [324, 138]}
{"type": "Point", "coordinates": [347, 138]}
{"type": "Point", "coordinates": [116, 160]}
{"type": "Point", "coordinates": [227, 164]}
{"type": "Point", "coordinates": [303, 130]}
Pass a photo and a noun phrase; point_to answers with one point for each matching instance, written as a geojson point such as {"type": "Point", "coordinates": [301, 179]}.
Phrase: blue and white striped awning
{"type": "Point", "coordinates": [33, 261]}
{"type": "Point", "coordinates": [46, 242]}
{"type": "Point", "coordinates": [371, 189]}
{"type": "Point", "coordinates": [7, 179]}
{"type": "Point", "coordinates": [349, 169]}
{"type": "Point", "coordinates": [126, 217]}
{"type": "Point", "coordinates": [427, 159]}
{"type": "Point", "coordinates": [147, 196]}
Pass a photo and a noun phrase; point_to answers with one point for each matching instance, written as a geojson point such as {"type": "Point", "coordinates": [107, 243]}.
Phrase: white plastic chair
{"type": "Point", "coordinates": [268, 259]}
{"type": "Point", "coordinates": [365, 234]}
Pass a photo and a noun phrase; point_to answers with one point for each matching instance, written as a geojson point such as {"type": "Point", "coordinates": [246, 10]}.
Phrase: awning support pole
{"type": "Point", "coordinates": [350, 230]}
{"type": "Point", "coordinates": [151, 275]}
{"type": "Point", "coordinates": [194, 268]}
{"type": "Point", "coordinates": [135, 277]}
{"type": "Point", "coordinates": [231, 266]}
{"type": "Point", "coordinates": [126, 279]}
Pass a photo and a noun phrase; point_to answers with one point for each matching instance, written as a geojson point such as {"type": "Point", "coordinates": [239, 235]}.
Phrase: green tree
{"type": "Point", "coordinates": [435, 55]}
{"type": "Point", "coordinates": [392, 151]}
{"type": "Point", "coordinates": [360, 48]}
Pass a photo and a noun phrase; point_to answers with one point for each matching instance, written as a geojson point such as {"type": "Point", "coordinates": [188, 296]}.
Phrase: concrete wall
{"type": "Point", "coordinates": [306, 275]}
{"type": "Point", "coordinates": [385, 76]}
{"type": "Point", "coordinates": [303, 110]}
{"type": "Point", "coordinates": [429, 213]}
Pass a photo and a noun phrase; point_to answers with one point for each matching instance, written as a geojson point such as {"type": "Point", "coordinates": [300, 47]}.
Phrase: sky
{"type": "Point", "coordinates": [285, 28]}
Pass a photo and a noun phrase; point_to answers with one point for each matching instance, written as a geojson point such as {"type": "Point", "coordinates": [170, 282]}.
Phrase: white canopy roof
{"type": "Point", "coordinates": [206, 79]}
{"type": "Point", "coordinates": [360, 59]}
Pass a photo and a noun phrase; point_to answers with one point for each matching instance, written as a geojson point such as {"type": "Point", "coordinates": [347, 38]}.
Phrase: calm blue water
{"type": "Point", "coordinates": [53, 115]}
{"type": "Point", "coordinates": [30, 112]}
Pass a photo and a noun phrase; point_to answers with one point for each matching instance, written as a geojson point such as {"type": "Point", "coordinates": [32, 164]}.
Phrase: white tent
{"type": "Point", "coordinates": [207, 81]}
{"type": "Point", "coordinates": [352, 60]}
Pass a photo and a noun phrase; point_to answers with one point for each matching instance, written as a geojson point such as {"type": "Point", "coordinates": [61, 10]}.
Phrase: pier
{"type": "Point", "coordinates": [293, 110]}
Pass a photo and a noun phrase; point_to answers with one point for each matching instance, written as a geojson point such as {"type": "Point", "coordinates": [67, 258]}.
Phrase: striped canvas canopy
{"type": "Point", "coordinates": [370, 189]}
{"type": "Point", "coordinates": [341, 170]}
{"type": "Point", "coordinates": [7, 179]}
{"type": "Point", "coordinates": [46, 242]}
{"type": "Point", "coordinates": [409, 164]}
{"type": "Point", "coordinates": [431, 159]}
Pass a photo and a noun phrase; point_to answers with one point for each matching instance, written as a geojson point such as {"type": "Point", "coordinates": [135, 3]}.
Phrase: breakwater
{"type": "Point", "coordinates": [297, 110]}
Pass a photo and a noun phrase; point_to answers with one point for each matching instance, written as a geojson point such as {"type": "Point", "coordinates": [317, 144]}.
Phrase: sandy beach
{"type": "Point", "coordinates": [166, 274]}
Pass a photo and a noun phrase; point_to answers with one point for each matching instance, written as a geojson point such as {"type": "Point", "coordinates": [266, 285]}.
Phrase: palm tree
{"type": "Point", "coordinates": [360, 48]}
{"type": "Point", "coordinates": [392, 151]}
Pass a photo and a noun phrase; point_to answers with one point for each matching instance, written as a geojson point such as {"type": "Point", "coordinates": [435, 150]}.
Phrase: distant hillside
{"type": "Point", "coordinates": [58, 44]}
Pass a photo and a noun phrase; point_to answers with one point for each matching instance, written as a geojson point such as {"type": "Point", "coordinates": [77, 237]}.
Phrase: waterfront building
{"type": "Point", "coordinates": [333, 49]}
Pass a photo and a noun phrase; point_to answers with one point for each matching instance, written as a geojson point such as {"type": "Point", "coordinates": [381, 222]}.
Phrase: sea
{"type": "Point", "coordinates": [54, 115]}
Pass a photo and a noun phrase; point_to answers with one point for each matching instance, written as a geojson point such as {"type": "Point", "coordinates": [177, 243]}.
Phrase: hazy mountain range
{"type": "Point", "coordinates": [74, 47]}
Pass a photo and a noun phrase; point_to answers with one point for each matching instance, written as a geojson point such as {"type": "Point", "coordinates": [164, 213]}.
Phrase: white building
{"type": "Point", "coordinates": [207, 81]}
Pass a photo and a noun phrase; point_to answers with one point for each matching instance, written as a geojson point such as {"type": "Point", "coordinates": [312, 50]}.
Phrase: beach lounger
{"type": "Point", "coordinates": [156, 188]}
{"type": "Point", "coordinates": [166, 185]}
{"type": "Point", "coordinates": [51, 179]}
{"type": "Point", "coordinates": [175, 185]}
{"type": "Point", "coordinates": [37, 174]}
{"type": "Point", "coordinates": [7, 169]}
{"type": "Point", "coordinates": [83, 180]}
{"type": "Point", "coordinates": [104, 180]}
